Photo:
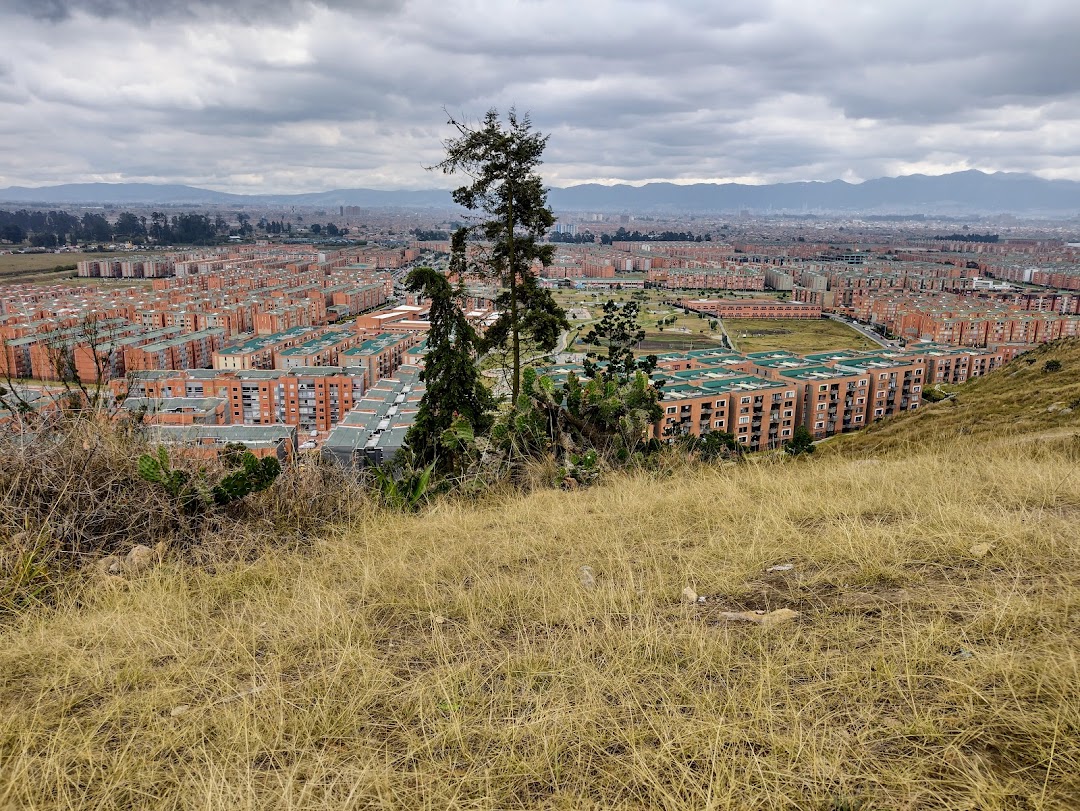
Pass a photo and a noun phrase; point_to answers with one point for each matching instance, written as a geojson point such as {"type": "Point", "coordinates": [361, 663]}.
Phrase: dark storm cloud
{"type": "Point", "coordinates": [295, 95]}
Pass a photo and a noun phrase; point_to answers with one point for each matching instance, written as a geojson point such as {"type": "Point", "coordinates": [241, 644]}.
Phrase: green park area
{"type": "Point", "coordinates": [800, 337]}
{"type": "Point", "coordinates": [667, 328]}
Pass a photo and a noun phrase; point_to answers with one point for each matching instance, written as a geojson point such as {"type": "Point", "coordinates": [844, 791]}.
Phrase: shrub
{"type": "Point", "coordinates": [195, 494]}
{"type": "Point", "coordinates": [1052, 366]}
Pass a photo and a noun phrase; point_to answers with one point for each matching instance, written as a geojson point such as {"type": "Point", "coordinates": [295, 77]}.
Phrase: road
{"type": "Point", "coordinates": [865, 331]}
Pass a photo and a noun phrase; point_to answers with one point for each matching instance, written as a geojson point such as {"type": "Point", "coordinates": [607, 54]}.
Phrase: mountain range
{"type": "Point", "coordinates": [960, 192]}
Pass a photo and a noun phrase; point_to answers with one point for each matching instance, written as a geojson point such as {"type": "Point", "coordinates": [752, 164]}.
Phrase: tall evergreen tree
{"type": "Point", "coordinates": [456, 403]}
{"type": "Point", "coordinates": [501, 158]}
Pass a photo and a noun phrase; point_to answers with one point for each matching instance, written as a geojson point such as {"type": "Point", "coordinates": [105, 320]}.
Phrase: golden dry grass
{"type": "Point", "coordinates": [455, 660]}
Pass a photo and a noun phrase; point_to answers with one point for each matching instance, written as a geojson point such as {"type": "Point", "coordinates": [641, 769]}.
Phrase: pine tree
{"type": "Point", "coordinates": [501, 158]}
{"type": "Point", "coordinates": [456, 403]}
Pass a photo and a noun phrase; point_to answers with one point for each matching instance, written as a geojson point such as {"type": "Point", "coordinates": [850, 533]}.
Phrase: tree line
{"type": "Point", "coordinates": [54, 229]}
{"type": "Point", "coordinates": [968, 238]}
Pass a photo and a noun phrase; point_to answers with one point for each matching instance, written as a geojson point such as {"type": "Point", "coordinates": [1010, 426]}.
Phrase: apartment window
{"type": "Point", "coordinates": [823, 388]}
{"type": "Point", "coordinates": [916, 388]}
{"type": "Point", "coordinates": [743, 420]}
{"type": "Point", "coordinates": [721, 404]}
{"type": "Point", "coordinates": [719, 424]}
{"type": "Point", "coordinates": [671, 410]}
{"type": "Point", "coordinates": [858, 418]}
{"type": "Point", "coordinates": [789, 394]}
{"type": "Point", "coordinates": [821, 406]}
{"type": "Point", "coordinates": [878, 412]}
{"type": "Point", "coordinates": [786, 432]}
{"type": "Point", "coordinates": [819, 424]}
{"type": "Point", "coordinates": [787, 413]}
{"type": "Point", "coordinates": [745, 400]}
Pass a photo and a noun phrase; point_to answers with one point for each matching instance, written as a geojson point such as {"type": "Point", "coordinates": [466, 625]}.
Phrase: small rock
{"type": "Point", "coordinates": [963, 654]}
{"type": "Point", "coordinates": [138, 560]}
{"type": "Point", "coordinates": [179, 710]}
{"type": "Point", "coordinates": [689, 596]}
{"type": "Point", "coordinates": [980, 550]}
{"type": "Point", "coordinates": [587, 578]}
{"type": "Point", "coordinates": [760, 617]}
{"type": "Point", "coordinates": [701, 600]}
{"type": "Point", "coordinates": [438, 619]}
{"type": "Point", "coordinates": [781, 567]}
{"type": "Point", "coordinates": [1054, 407]}
{"type": "Point", "coordinates": [112, 565]}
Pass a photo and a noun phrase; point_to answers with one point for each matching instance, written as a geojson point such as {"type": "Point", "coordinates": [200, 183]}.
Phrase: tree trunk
{"type": "Point", "coordinates": [515, 331]}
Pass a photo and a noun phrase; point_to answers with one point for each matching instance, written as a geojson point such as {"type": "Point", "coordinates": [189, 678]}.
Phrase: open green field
{"type": "Point", "coordinates": [800, 337]}
{"type": "Point", "coordinates": [17, 268]}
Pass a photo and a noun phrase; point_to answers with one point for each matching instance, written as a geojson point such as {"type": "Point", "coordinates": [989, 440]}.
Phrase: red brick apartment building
{"type": "Point", "coordinates": [307, 398]}
{"type": "Point", "coordinates": [752, 308]}
{"type": "Point", "coordinates": [759, 413]}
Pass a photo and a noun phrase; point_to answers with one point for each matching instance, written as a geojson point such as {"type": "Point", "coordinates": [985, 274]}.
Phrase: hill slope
{"type": "Point", "coordinates": [1023, 401]}
{"type": "Point", "coordinates": [460, 659]}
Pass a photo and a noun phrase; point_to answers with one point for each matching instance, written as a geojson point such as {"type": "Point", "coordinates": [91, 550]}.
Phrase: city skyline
{"type": "Point", "coordinates": [282, 96]}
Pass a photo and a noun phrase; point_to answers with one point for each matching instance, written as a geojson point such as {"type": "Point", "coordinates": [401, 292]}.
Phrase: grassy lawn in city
{"type": "Point", "coordinates": [800, 337]}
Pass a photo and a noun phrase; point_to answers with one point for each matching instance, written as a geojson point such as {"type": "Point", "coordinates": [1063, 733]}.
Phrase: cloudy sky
{"type": "Point", "coordinates": [310, 95]}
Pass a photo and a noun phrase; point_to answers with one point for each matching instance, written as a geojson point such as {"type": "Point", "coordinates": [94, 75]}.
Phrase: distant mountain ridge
{"type": "Point", "coordinates": [968, 192]}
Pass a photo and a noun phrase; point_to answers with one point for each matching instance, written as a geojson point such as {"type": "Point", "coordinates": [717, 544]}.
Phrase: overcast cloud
{"type": "Point", "coordinates": [291, 95]}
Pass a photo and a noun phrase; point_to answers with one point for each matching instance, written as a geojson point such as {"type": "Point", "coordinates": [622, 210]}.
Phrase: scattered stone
{"type": "Point", "coordinates": [963, 654]}
{"type": "Point", "coordinates": [689, 596]}
{"type": "Point", "coordinates": [1054, 407]}
{"type": "Point", "coordinates": [587, 578]}
{"type": "Point", "coordinates": [1067, 410]}
{"type": "Point", "coordinates": [112, 565]}
{"type": "Point", "coordinates": [760, 617]}
{"type": "Point", "coordinates": [438, 619]}
{"type": "Point", "coordinates": [781, 567]}
{"type": "Point", "coordinates": [980, 550]}
{"type": "Point", "coordinates": [179, 710]}
{"type": "Point", "coordinates": [701, 600]}
{"type": "Point", "coordinates": [138, 560]}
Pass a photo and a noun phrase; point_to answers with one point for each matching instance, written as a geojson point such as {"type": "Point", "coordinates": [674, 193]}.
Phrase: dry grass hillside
{"type": "Point", "coordinates": [1022, 400]}
{"type": "Point", "coordinates": [462, 658]}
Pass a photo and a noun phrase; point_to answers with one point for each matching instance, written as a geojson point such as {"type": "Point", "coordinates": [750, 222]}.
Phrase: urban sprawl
{"type": "Point", "coordinates": [292, 347]}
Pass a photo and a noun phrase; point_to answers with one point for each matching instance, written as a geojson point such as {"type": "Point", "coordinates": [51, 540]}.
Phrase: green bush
{"type": "Point", "coordinates": [195, 494]}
